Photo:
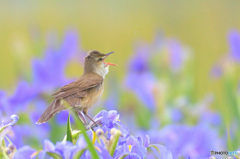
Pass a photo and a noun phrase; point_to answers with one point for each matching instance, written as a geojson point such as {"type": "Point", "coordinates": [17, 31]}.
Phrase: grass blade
{"type": "Point", "coordinates": [79, 154]}
{"type": "Point", "coordinates": [88, 141]}
{"type": "Point", "coordinates": [115, 142]}
{"type": "Point", "coordinates": [54, 155]}
{"type": "Point", "coordinates": [69, 130]}
{"type": "Point", "coordinates": [91, 148]}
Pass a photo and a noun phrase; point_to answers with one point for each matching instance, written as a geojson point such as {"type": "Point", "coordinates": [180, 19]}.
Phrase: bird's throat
{"type": "Point", "coordinates": [101, 71]}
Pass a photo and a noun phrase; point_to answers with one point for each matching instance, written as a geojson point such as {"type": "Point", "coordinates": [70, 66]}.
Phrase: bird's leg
{"type": "Point", "coordinates": [85, 113]}
{"type": "Point", "coordinates": [82, 117]}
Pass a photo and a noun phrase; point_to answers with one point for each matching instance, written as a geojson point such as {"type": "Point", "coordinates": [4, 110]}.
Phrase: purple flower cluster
{"type": "Point", "coordinates": [145, 82]}
{"type": "Point", "coordinates": [103, 138]}
{"type": "Point", "coordinates": [188, 141]}
{"type": "Point", "coordinates": [226, 63]}
{"type": "Point", "coordinates": [134, 147]}
{"type": "Point", "coordinates": [45, 72]}
{"type": "Point", "coordinates": [140, 79]}
{"type": "Point", "coordinates": [150, 61]}
{"type": "Point", "coordinates": [234, 42]}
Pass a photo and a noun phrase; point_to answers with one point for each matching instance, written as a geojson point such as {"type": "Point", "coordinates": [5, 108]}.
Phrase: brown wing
{"type": "Point", "coordinates": [78, 88]}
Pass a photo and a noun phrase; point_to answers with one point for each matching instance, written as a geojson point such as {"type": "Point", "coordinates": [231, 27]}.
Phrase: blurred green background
{"type": "Point", "coordinates": [116, 26]}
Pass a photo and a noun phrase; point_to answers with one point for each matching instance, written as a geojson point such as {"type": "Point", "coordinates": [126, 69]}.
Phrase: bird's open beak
{"type": "Point", "coordinates": [106, 55]}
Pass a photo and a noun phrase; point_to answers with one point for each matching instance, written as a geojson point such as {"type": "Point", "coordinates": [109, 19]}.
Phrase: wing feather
{"type": "Point", "coordinates": [78, 88]}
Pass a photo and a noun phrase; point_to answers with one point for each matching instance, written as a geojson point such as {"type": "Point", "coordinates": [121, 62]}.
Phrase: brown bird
{"type": "Point", "coordinates": [83, 93]}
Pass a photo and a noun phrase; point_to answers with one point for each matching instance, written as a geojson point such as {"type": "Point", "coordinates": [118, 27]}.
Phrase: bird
{"type": "Point", "coordinates": [83, 93]}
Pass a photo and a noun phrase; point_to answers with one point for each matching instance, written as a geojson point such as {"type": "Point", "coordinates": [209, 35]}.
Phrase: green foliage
{"type": "Point", "coordinates": [79, 154]}
{"type": "Point", "coordinates": [69, 130]}
{"type": "Point", "coordinates": [82, 129]}
{"type": "Point", "coordinates": [3, 133]}
{"type": "Point", "coordinates": [54, 155]}
{"type": "Point", "coordinates": [88, 141]}
{"type": "Point", "coordinates": [113, 146]}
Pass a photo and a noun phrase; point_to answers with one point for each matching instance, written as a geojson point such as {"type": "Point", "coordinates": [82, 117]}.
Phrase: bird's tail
{"type": "Point", "coordinates": [52, 109]}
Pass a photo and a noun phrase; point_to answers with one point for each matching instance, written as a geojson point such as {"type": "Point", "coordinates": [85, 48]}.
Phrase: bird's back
{"type": "Point", "coordinates": [80, 95]}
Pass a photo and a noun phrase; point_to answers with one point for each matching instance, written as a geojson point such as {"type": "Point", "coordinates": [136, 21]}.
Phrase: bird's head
{"type": "Point", "coordinates": [94, 62]}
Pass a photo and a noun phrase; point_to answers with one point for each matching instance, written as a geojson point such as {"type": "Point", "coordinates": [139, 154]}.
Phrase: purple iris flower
{"type": "Point", "coordinates": [103, 152]}
{"type": "Point", "coordinates": [136, 147]}
{"type": "Point", "coordinates": [234, 42]}
{"type": "Point", "coordinates": [109, 120]}
{"type": "Point", "coordinates": [49, 73]}
{"type": "Point", "coordinates": [39, 107]}
{"type": "Point", "coordinates": [62, 117]}
{"type": "Point", "coordinates": [17, 102]}
{"type": "Point", "coordinates": [140, 79]}
{"type": "Point", "coordinates": [48, 145]}
{"type": "Point", "coordinates": [187, 141]}
{"type": "Point", "coordinates": [14, 120]}
{"type": "Point", "coordinates": [176, 114]}
{"type": "Point", "coordinates": [20, 134]}
{"type": "Point", "coordinates": [164, 152]}
{"type": "Point", "coordinates": [111, 102]}
{"type": "Point", "coordinates": [66, 150]}
{"type": "Point", "coordinates": [216, 71]}
{"type": "Point", "coordinates": [234, 54]}
{"type": "Point", "coordinates": [4, 105]}
{"type": "Point", "coordinates": [63, 149]}
{"type": "Point", "coordinates": [210, 118]}
{"type": "Point", "coordinates": [81, 143]}
{"type": "Point", "coordinates": [131, 146]}
{"type": "Point", "coordinates": [23, 94]}
{"type": "Point", "coordinates": [9, 122]}
{"type": "Point", "coordinates": [24, 153]}
{"type": "Point", "coordinates": [176, 55]}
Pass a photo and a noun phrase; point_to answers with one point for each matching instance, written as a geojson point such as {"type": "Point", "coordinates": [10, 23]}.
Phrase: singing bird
{"type": "Point", "coordinates": [83, 93]}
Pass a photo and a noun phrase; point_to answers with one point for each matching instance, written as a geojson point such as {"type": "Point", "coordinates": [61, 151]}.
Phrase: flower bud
{"type": "Point", "coordinates": [113, 131]}
{"type": "Point", "coordinates": [99, 132]}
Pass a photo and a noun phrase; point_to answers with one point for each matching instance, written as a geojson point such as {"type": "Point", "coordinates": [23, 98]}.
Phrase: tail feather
{"type": "Point", "coordinates": [52, 109]}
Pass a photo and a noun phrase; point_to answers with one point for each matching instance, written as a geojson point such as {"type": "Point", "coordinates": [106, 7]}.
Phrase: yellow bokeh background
{"type": "Point", "coordinates": [116, 26]}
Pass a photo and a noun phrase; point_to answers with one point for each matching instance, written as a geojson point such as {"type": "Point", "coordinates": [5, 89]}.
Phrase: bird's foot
{"type": "Point", "coordinates": [92, 125]}
{"type": "Point", "coordinates": [87, 127]}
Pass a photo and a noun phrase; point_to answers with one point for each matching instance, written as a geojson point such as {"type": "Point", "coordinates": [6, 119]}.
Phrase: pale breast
{"type": "Point", "coordinates": [92, 97]}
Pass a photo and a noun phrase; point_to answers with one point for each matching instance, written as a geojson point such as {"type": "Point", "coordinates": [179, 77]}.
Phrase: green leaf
{"type": "Point", "coordinates": [5, 156]}
{"type": "Point", "coordinates": [69, 131]}
{"type": "Point", "coordinates": [115, 142]}
{"type": "Point", "coordinates": [79, 153]}
{"type": "Point", "coordinates": [54, 155]}
{"type": "Point", "coordinates": [88, 141]}
{"type": "Point", "coordinates": [123, 156]}
{"type": "Point", "coordinates": [2, 141]}
{"type": "Point", "coordinates": [2, 128]}
{"type": "Point", "coordinates": [75, 135]}
{"type": "Point", "coordinates": [82, 129]}
{"type": "Point", "coordinates": [10, 142]}
{"type": "Point", "coordinates": [155, 148]}
{"type": "Point", "coordinates": [160, 151]}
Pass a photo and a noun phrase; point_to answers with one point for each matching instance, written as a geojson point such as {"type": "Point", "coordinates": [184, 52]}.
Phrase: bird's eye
{"type": "Point", "coordinates": [100, 59]}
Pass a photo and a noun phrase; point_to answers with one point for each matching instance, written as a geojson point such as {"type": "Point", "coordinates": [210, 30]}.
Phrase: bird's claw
{"type": "Point", "coordinates": [92, 125]}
